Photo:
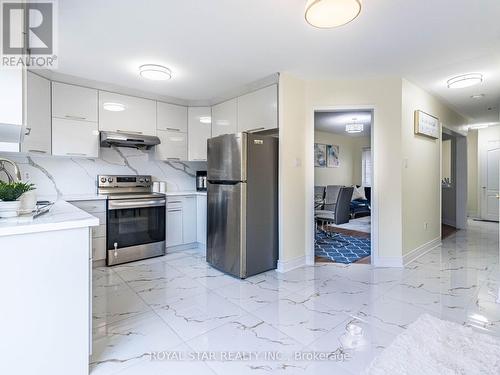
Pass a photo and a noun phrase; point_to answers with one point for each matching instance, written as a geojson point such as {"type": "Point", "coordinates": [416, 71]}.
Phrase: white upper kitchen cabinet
{"type": "Point", "coordinates": [258, 110]}
{"type": "Point", "coordinates": [75, 138]}
{"type": "Point", "coordinates": [171, 117]}
{"type": "Point", "coordinates": [199, 131]}
{"type": "Point", "coordinates": [138, 114]}
{"type": "Point", "coordinates": [225, 118]}
{"type": "Point", "coordinates": [38, 134]}
{"type": "Point", "coordinates": [173, 145]}
{"type": "Point", "coordinates": [74, 102]}
{"type": "Point", "coordinates": [12, 107]}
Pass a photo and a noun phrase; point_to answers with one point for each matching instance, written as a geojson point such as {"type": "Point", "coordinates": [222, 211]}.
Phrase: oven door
{"type": "Point", "coordinates": [135, 222]}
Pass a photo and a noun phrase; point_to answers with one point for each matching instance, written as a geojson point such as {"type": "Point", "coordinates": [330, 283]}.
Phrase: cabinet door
{"type": "Point", "coordinates": [74, 102]}
{"type": "Point", "coordinates": [258, 110]}
{"type": "Point", "coordinates": [225, 118]}
{"type": "Point", "coordinates": [38, 134]}
{"type": "Point", "coordinates": [138, 115]}
{"type": "Point", "coordinates": [174, 226]}
{"type": "Point", "coordinates": [173, 145]}
{"type": "Point", "coordinates": [199, 131]}
{"type": "Point", "coordinates": [171, 117]}
{"type": "Point", "coordinates": [75, 138]}
{"type": "Point", "coordinates": [189, 219]}
{"type": "Point", "coordinates": [201, 219]}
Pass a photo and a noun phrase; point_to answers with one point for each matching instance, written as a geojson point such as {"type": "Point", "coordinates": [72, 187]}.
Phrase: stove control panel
{"type": "Point", "coordinates": [121, 181]}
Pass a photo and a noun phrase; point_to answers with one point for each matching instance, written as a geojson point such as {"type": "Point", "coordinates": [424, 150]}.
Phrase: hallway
{"type": "Point", "coordinates": [163, 304]}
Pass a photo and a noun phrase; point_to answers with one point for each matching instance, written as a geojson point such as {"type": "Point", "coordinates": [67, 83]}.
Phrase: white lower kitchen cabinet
{"type": "Point", "coordinates": [174, 224]}
{"type": "Point", "coordinates": [96, 208]}
{"type": "Point", "coordinates": [75, 138]}
{"type": "Point", "coordinates": [189, 219]}
{"type": "Point", "coordinates": [184, 226]}
{"type": "Point", "coordinates": [201, 219]}
{"type": "Point", "coordinates": [46, 324]}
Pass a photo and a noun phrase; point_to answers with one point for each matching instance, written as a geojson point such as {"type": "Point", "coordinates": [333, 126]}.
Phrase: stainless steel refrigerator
{"type": "Point", "coordinates": [242, 222]}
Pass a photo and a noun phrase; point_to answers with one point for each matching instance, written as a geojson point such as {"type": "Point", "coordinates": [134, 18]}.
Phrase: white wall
{"type": "Point", "coordinates": [350, 151]}
{"type": "Point", "coordinates": [421, 178]}
{"type": "Point", "coordinates": [292, 177]}
{"type": "Point", "coordinates": [472, 176]}
{"type": "Point", "coordinates": [403, 198]}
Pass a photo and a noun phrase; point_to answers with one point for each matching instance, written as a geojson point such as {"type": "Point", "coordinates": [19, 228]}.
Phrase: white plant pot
{"type": "Point", "coordinates": [9, 209]}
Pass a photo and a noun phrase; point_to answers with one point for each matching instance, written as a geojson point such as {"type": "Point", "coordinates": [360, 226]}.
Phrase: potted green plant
{"type": "Point", "coordinates": [9, 197]}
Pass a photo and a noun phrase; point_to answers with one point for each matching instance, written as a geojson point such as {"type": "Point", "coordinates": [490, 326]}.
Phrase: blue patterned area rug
{"type": "Point", "coordinates": [342, 248]}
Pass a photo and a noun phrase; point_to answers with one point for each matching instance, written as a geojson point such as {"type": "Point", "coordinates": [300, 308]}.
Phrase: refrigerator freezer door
{"type": "Point", "coordinates": [226, 228]}
{"type": "Point", "coordinates": [226, 159]}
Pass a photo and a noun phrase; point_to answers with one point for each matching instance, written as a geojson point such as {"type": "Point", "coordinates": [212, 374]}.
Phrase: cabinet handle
{"type": "Point", "coordinates": [254, 130]}
{"type": "Point", "coordinates": [173, 158]}
{"type": "Point", "coordinates": [199, 159]}
{"type": "Point", "coordinates": [28, 131]}
{"type": "Point", "coordinates": [130, 132]}
{"type": "Point", "coordinates": [174, 129]}
{"type": "Point", "coordinates": [174, 202]}
{"type": "Point", "coordinates": [75, 117]}
{"type": "Point", "coordinates": [75, 154]}
{"type": "Point", "coordinates": [38, 151]}
{"type": "Point", "coordinates": [175, 210]}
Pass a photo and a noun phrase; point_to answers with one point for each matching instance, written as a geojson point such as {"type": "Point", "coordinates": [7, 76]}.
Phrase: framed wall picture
{"type": "Point", "coordinates": [426, 125]}
{"type": "Point", "coordinates": [319, 155]}
{"type": "Point", "coordinates": [332, 156]}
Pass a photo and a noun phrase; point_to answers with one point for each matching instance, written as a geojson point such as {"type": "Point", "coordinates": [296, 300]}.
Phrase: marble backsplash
{"type": "Point", "coordinates": [63, 176]}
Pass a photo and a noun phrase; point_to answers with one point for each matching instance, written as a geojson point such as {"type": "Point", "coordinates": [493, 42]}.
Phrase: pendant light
{"type": "Point", "coordinates": [331, 13]}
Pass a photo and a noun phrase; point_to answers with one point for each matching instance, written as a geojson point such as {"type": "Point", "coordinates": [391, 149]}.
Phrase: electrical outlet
{"type": "Point", "coordinates": [26, 176]}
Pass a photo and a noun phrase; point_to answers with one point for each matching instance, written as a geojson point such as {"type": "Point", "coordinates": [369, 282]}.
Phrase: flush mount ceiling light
{"type": "Point", "coordinates": [326, 14]}
{"type": "Point", "coordinates": [477, 96]}
{"type": "Point", "coordinates": [465, 80]}
{"type": "Point", "coordinates": [113, 107]}
{"type": "Point", "coordinates": [354, 128]}
{"type": "Point", "coordinates": [205, 119]}
{"type": "Point", "coordinates": [155, 72]}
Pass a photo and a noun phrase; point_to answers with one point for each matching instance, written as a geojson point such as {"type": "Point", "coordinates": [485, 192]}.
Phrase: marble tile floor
{"type": "Point", "coordinates": [196, 320]}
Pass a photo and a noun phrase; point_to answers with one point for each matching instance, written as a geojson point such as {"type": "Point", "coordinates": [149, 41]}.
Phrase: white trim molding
{"type": "Point", "coordinates": [388, 262]}
{"type": "Point", "coordinates": [291, 264]}
{"type": "Point", "coordinates": [421, 250]}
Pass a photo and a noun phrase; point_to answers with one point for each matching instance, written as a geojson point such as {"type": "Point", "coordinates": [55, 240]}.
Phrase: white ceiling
{"type": "Point", "coordinates": [335, 122]}
{"type": "Point", "coordinates": [216, 46]}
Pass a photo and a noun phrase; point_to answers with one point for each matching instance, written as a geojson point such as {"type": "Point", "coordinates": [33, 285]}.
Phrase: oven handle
{"type": "Point", "coordinates": [135, 203]}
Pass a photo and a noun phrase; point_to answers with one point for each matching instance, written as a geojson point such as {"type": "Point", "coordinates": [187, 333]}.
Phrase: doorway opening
{"type": "Point", "coordinates": [453, 182]}
{"type": "Point", "coordinates": [343, 174]}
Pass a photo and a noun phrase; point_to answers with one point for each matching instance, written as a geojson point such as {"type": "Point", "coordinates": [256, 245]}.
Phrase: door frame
{"type": "Point", "coordinates": [309, 198]}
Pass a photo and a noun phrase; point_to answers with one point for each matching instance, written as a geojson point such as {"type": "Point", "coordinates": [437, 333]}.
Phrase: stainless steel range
{"type": "Point", "coordinates": [135, 218]}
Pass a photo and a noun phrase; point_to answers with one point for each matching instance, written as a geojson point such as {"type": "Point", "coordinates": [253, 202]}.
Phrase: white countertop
{"type": "Point", "coordinates": [62, 215]}
{"type": "Point", "coordinates": [95, 197]}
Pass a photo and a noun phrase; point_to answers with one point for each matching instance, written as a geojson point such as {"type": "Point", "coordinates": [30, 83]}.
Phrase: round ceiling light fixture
{"type": "Point", "coordinates": [155, 72]}
{"type": "Point", "coordinates": [465, 80]}
{"type": "Point", "coordinates": [354, 128]}
{"type": "Point", "coordinates": [113, 107]}
{"type": "Point", "coordinates": [326, 14]}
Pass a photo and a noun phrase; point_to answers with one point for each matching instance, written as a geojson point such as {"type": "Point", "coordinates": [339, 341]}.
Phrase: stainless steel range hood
{"type": "Point", "coordinates": [133, 140]}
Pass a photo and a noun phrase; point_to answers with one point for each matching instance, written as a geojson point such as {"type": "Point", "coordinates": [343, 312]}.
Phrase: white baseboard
{"type": "Point", "coordinates": [421, 250]}
{"type": "Point", "coordinates": [288, 265]}
{"type": "Point", "coordinates": [388, 262]}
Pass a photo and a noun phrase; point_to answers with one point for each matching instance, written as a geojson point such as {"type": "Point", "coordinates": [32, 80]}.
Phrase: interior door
{"type": "Point", "coordinates": [490, 181]}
